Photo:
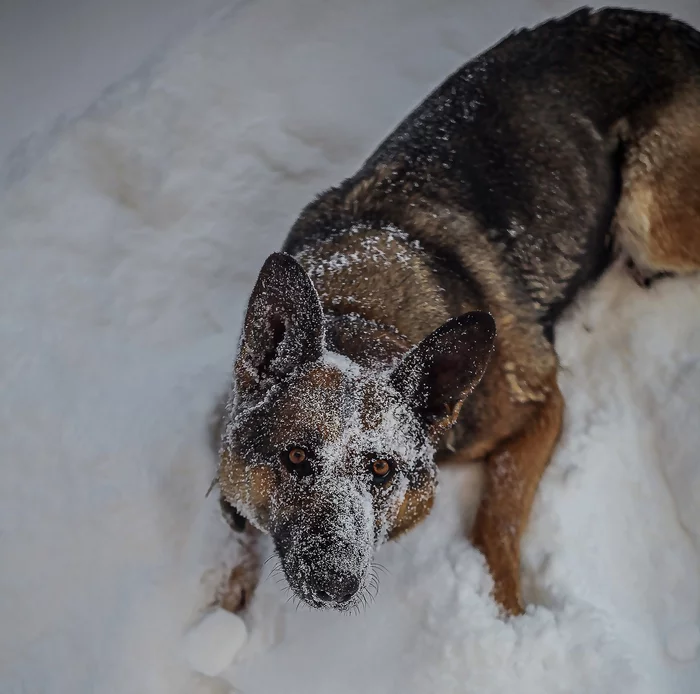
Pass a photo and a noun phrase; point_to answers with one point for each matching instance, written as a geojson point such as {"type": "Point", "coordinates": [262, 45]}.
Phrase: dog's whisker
{"type": "Point", "coordinates": [381, 567]}
{"type": "Point", "coordinates": [276, 571]}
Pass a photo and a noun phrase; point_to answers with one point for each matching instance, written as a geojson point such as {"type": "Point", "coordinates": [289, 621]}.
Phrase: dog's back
{"type": "Point", "coordinates": [528, 142]}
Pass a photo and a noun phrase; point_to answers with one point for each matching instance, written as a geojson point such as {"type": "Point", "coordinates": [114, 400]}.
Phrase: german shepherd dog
{"type": "Point", "coordinates": [409, 319]}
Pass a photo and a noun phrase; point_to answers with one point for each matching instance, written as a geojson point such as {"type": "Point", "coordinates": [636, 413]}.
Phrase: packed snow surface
{"type": "Point", "coordinates": [126, 258]}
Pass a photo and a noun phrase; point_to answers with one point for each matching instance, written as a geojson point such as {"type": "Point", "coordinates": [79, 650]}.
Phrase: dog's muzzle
{"type": "Point", "coordinates": [326, 550]}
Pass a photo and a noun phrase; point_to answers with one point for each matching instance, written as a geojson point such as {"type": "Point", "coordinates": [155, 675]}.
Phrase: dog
{"type": "Point", "coordinates": [408, 319]}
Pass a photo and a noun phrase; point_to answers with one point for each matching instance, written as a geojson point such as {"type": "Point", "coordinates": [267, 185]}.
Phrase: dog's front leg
{"type": "Point", "coordinates": [513, 472]}
{"type": "Point", "coordinates": [236, 592]}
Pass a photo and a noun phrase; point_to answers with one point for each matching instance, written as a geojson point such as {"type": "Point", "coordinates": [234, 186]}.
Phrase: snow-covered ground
{"type": "Point", "coordinates": [126, 258]}
{"type": "Point", "coordinates": [56, 56]}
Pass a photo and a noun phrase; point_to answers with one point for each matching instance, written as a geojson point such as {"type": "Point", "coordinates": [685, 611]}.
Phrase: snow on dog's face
{"type": "Point", "coordinates": [328, 457]}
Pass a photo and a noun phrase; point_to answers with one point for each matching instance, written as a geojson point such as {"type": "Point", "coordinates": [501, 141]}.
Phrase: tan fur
{"type": "Point", "coordinates": [382, 288]}
{"type": "Point", "coordinates": [658, 218]}
{"type": "Point", "coordinates": [416, 506]}
{"type": "Point", "coordinates": [252, 486]}
{"type": "Point", "coordinates": [239, 587]}
{"type": "Point", "coordinates": [513, 472]}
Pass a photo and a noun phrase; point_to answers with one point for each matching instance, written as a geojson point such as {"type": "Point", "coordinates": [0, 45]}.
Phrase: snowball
{"type": "Point", "coordinates": [683, 641]}
{"type": "Point", "coordinates": [211, 645]}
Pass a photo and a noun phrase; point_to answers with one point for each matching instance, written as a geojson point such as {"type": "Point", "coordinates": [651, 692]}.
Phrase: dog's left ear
{"type": "Point", "coordinates": [438, 374]}
{"type": "Point", "coordinates": [283, 326]}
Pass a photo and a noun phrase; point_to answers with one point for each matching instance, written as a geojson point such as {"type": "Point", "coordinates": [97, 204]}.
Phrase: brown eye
{"type": "Point", "coordinates": [297, 461]}
{"type": "Point", "coordinates": [381, 470]}
{"type": "Point", "coordinates": [297, 456]}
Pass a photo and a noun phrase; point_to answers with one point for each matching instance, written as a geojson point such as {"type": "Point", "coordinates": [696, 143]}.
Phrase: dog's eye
{"type": "Point", "coordinates": [297, 460]}
{"type": "Point", "coordinates": [296, 456]}
{"type": "Point", "coordinates": [382, 470]}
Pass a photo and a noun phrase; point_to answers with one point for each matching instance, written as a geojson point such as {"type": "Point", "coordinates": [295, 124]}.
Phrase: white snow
{"type": "Point", "coordinates": [126, 258]}
{"type": "Point", "coordinates": [210, 645]}
{"type": "Point", "coordinates": [683, 641]}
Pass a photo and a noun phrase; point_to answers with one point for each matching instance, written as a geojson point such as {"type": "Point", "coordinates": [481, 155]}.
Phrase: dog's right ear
{"type": "Point", "coordinates": [283, 326]}
{"type": "Point", "coordinates": [438, 374]}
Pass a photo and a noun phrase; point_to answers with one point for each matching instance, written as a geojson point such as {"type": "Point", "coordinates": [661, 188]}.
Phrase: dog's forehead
{"type": "Point", "coordinates": [333, 395]}
{"type": "Point", "coordinates": [314, 400]}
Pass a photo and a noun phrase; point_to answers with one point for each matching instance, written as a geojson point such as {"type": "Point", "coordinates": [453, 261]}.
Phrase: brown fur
{"type": "Point", "coordinates": [239, 588]}
{"type": "Point", "coordinates": [416, 506]}
{"type": "Point", "coordinates": [658, 215]}
{"type": "Point", "coordinates": [513, 471]}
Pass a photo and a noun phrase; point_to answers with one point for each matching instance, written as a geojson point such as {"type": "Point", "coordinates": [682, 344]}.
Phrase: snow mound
{"type": "Point", "coordinates": [126, 259]}
{"type": "Point", "coordinates": [212, 643]}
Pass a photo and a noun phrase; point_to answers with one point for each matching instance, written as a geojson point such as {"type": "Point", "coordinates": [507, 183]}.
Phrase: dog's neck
{"type": "Point", "coordinates": [378, 289]}
{"type": "Point", "coordinates": [366, 342]}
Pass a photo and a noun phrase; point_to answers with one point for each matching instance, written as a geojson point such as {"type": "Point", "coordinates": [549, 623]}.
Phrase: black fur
{"type": "Point", "coordinates": [524, 139]}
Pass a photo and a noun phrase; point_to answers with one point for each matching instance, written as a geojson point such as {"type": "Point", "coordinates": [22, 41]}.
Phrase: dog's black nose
{"type": "Point", "coordinates": [336, 588]}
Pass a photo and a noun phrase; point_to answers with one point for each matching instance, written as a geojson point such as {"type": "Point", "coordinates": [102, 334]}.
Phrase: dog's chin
{"type": "Point", "coordinates": [316, 604]}
{"type": "Point", "coordinates": [308, 599]}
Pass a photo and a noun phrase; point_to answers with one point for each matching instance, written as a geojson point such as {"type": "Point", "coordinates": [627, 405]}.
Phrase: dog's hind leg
{"type": "Point", "coordinates": [657, 223]}
{"type": "Point", "coordinates": [513, 472]}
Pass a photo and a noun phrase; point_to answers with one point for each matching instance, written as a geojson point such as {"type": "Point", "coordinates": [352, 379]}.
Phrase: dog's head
{"type": "Point", "coordinates": [329, 457]}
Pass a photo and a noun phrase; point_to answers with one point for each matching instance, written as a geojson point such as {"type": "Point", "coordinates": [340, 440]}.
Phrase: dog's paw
{"type": "Point", "coordinates": [236, 591]}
